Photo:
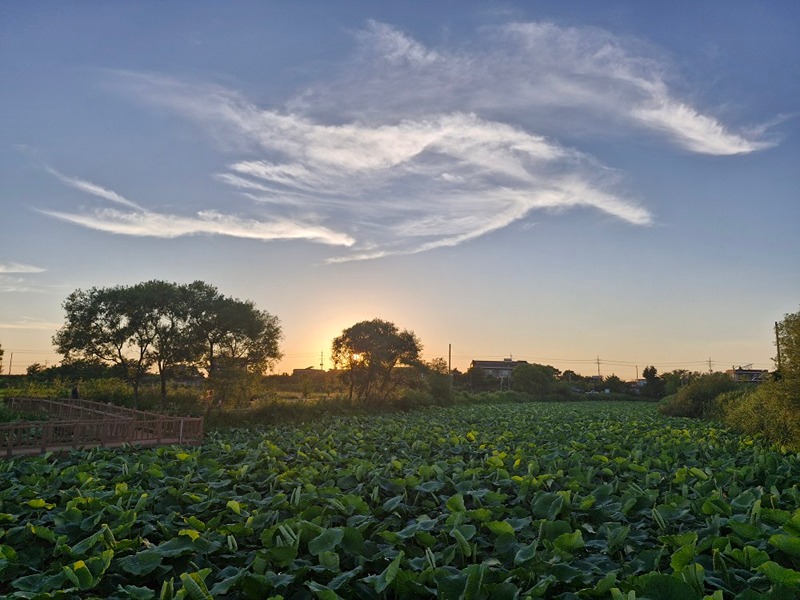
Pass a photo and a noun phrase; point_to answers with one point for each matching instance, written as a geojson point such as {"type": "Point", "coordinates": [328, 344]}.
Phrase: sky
{"type": "Point", "coordinates": [599, 186]}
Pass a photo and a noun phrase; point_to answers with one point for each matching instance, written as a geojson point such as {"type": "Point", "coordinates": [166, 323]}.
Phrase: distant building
{"type": "Point", "coordinates": [747, 374]}
{"type": "Point", "coordinates": [500, 369]}
{"type": "Point", "coordinates": [310, 372]}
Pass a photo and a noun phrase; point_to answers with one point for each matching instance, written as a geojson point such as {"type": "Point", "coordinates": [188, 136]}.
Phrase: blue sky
{"type": "Point", "coordinates": [552, 181]}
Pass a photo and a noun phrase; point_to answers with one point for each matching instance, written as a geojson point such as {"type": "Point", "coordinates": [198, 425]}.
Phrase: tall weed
{"type": "Point", "coordinates": [772, 409]}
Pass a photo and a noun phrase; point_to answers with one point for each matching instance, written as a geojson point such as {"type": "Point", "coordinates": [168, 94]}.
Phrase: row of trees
{"type": "Point", "coordinates": [168, 327]}
{"type": "Point", "coordinates": [178, 330]}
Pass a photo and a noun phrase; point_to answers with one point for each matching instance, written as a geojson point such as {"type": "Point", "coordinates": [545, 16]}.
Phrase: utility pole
{"type": "Point", "coordinates": [321, 362]}
{"type": "Point", "coordinates": [10, 362]}
{"type": "Point", "coordinates": [598, 365]}
{"type": "Point", "coordinates": [777, 344]}
{"type": "Point", "coordinates": [710, 368]}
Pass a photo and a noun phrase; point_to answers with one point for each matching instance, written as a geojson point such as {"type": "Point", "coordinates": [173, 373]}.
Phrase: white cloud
{"type": "Point", "coordinates": [408, 148]}
{"type": "Point", "coordinates": [696, 132]}
{"type": "Point", "coordinates": [31, 324]}
{"type": "Point", "coordinates": [548, 76]}
{"type": "Point", "coordinates": [397, 187]}
{"type": "Point", "coordinates": [14, 267]}
{"type": "Point", "coordinates": [94, 190]}
{"type": "Point", "coordinates": [151, 224]}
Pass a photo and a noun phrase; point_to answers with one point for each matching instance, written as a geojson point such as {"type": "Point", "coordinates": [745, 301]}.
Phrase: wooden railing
{"type": "Point", "coordinates": [75, 423]}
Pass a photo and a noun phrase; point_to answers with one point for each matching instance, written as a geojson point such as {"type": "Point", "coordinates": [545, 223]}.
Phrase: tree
{"type": "Point", "coordinates": [438, 377]}
{"type": "Point", "coordinates": [534, 379]}
{"type": "Point", "coordinates": [110, 325]}
{"type": "Point", "coordinates": [234, 342]}
{"type": "Point", "coordinates": [676, 379]}
{"type": "Point", "coordinates": [369, 351]}
{"type": "Point", "coordinates": [654, 388]}
{"type": "Point", "coordinates": [614, 384]}
{"type": "Point", "coordinates": [169, 326]}
{"type": "Point", "coordinates": [167, 311]}
{"type": "Point", "coordinates": [788, 342]}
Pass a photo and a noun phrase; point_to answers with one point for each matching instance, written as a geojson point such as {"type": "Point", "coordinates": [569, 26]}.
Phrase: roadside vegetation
{"type": "Point", "coordinates": [771, 408]}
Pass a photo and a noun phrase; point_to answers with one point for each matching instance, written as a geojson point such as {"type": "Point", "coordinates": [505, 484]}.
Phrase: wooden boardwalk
{"type": "Point", "coordinates": [73, 424]}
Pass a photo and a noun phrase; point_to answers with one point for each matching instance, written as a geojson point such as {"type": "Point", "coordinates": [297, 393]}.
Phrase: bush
{"type": "Point", "coordinates": [8, 415]}
{"type": "Point", "coordinates": [111, 390]}
{"type": "Point", "coordinates": [772, 409]}
{"type": "Point", "coordinates": [697, 398]}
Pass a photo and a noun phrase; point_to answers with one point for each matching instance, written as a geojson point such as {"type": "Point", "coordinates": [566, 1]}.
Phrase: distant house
{"type": "Point", "coordinates": [309, 372]}
{"type": "Point", "coordinates": [747, 374]}
{"type": "Point", "coordinates": [500, 369]}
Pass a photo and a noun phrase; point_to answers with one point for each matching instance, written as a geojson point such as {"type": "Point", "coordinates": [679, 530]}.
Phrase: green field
{"type": "Point", "coordinates": [582, 500]}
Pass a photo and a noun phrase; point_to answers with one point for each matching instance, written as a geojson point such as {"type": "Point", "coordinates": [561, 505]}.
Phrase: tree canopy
{"type": "Point", "coordinates": [163, 326]}
{"type": "Point", "coordinates": [788, 341]}
{"type": "Point", "coordinates": [369, 351]}
{"type": "Point", "coordinates": [534, 379]}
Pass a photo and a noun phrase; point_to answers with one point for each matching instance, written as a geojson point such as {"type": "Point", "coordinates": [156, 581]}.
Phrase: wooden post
{"type": "Point", "coordinates": [46, 428]}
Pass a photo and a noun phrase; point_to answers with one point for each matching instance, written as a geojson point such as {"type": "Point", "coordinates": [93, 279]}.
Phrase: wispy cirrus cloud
{"type": "Point", "coordinates": [146, 223]}
{"type": "Point", "coordinates": [400, 186]}
{"type": "Point", "coordinates": [540, 73]}
{"type": "Point", "coordinates": [407, 148]}
{"type": "Point", "coordinates": [12, 277]}
{"type": "Point", "coordinates": [152, 224]}
{"type": "Point", "coordinates": [15, 267]}
{"type": "Point", "coordinates": [94, 189]}
{"type": "Point", "coordinates": [31, 324]}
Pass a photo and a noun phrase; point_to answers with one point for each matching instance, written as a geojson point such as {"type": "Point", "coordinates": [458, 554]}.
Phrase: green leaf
{"type": "Point", "coordinates": [133, 592]}
{"type": "Point", "coordinates": [786, 543]}
{"type": "Point", "coordinates": [547, 506]}
{"type": "Point", "coordinates": [329, 560]}
{"type": "Point", "coordinates": [456, 503]}
{"type": "Point", "coordinates": [474, 575]}
{"type": "Point", "coordinates": [194, 585]}
{"type": "Point", "coordinates": [682, 558]}
{"type": "Point", "coordinates": [500, 527]}
{"type": "Point", "coordinates": [322, 591]}
{"type": "Point", "coordinates": [665, 587]}
{"type": "Point", "coordinates": [326, 541]}
{"type": "Point", "coordinates": [746, 531]}
{"type": "Point", "coordinates": [343, 578]}
{"type": "Point", "coordinates": [142, 563]}
{"type": "Point", "coordinates": [385, 579]}
{"type": "Point", "coordinates": [40, 582]}
{"type": "Point", "coordinates": [526, 553]}
{"type": "Point", "coordinates": [569, 543]}
{"type": "Point", "coordinates": [781, 575]}
{"type": "Point", "coordinates": [463, 544]}
{"type": "Point", "coordinates": [80, 575]}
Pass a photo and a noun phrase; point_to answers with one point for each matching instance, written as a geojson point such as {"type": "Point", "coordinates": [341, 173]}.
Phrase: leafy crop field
{"type": "Point", "coordinates": [589, 500]}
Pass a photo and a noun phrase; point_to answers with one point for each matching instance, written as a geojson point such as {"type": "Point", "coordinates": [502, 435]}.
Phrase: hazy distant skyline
{"type": "Point", "coordinates": [551, 181]}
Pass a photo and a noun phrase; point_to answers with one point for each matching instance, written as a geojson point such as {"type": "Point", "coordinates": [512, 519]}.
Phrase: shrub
{"type": "Point", "coordinates": [697, 398]}
{"type": "Point", "coordinates": [772, 409]}
{"type": "Point", "coordinates": [111, 390]}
